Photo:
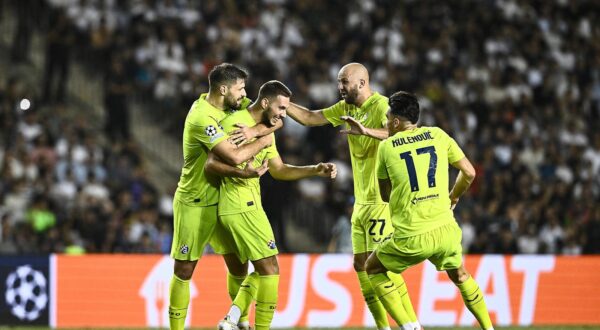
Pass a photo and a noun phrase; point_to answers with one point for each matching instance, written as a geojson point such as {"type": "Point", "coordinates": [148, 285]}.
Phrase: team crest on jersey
{"type": "Point", "coordinates": [184, 249]}
{"type": "Point", "coordinates": [271, 244]}
{"type": "Point", "coordinates": [361, 117]}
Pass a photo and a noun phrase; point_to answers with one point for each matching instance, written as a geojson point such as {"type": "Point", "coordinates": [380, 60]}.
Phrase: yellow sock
{"type": "Point", "coordinates": [233, 287]}
{"type": "Point", "coordinates": [389, 296]}
{"type": "Point", "coordinates": [373, 303]}
{"type": "Point", "coordinates": [403, 290]}
{"type": "Point", "coordinates": [473, 298]}
{"type": "Point", "coordinates": [245, 296]}
{"type": "Point", "coordinates": [266, 301]}
{"type": "Point", "coordinates": [179, 299]}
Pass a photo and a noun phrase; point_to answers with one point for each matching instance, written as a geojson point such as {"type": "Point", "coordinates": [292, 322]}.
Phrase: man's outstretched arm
{"type": "Point", "coordinates": [305, 116]}
{"type": "Point", "coordinates": [281, 171]}
{"type": "Point", "coordinates": [356, 128]}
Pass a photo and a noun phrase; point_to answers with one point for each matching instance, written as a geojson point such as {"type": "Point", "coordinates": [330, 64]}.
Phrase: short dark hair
{"type": "Point", "coordinates": [226, 74]}
{"type": "Point", "coordinates": [405, 105]}
{"type": "Point", "coordinates": [273, 88]}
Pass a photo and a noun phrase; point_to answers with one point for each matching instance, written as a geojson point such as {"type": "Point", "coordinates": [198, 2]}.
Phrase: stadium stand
{"type": "Point", "coordinates": [517, 83]}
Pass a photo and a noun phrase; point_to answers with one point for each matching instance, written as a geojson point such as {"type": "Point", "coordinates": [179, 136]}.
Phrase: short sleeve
{"type": "Point", "coordinates": [455, 153]}
{"type": "Point", "coordinates": [272, 149]}
{"type": "Point", "coordinates": [382, 116]}
{"type": "Point", "coordinates": [382, 172]}
{"type": "Point", "coordinates": [334, 112]}
{"type": "Point", "coordinates": [208, 131]}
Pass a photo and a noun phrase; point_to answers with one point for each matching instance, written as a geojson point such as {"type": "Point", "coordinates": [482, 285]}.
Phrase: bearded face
{"type": "Point", "coordinates": [235, 94]}
{"type": "Point", "coordinates": [276, 110]}
{"type": "Point", "coordinates": [350, 94]}
{"type": "Point", "coordinates": [232, 102]}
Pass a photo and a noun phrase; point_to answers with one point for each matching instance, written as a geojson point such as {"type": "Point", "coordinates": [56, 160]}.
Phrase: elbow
{"type": "Point", "coordinates": [471, 174]}
{"type": "Point", "coordinates": [209, 167]}
{"type": "Point", "coordinates": [309, 123]}
{"type": "Point", "coordinates": [276, 175]}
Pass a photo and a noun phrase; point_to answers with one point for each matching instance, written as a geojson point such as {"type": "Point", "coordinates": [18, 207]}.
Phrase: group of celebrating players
{"type": "Point", "coordinates": [229, 142]}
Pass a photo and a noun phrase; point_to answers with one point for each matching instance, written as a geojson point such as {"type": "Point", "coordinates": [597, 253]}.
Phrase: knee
{"type": "Point", "coordinates": [241, 270]}
{"type": "Point", "coordinates": [183, 270]}
{"type": "Point", "coordinates": [459, 276]}
{"type": "Point", "coordinates": [359, 266]}
{"type": "Point", "coordinates": [267, 267]}
{"type": "Point", "coordinates": [274, 267]}
{"type": "Point", "coordinates": [463, 277]}
{"type": "Point", "coordinates": [359, 262]}
{"type": "Point", "coordinates": [235, 266]}
{"type": "Point", "coordinates": [373, 266]}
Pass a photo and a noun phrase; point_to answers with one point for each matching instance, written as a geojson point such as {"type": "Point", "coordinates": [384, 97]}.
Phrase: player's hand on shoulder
{"type": "Point", "coordinates": [354, 126]}
{"type": "Point", "coordinates": [252, 172]}
{"type": "Point", "coordinates": [242, 134]}
{"type": "Point", "coordinates": [327, 170]}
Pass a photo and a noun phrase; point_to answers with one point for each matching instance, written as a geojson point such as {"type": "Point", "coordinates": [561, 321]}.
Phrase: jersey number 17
{"type": "Point", "coordinates": [410, 167]}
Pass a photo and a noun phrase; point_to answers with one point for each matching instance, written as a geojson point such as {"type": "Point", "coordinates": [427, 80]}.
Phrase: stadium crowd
{"type": "Point", "coordinates": [517, 83]}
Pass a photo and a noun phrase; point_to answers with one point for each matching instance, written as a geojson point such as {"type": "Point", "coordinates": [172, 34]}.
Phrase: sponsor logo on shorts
{"type": "Point", "coordinates": [184, 249]}
{"type": "Point", "coordinates": [271, 244]}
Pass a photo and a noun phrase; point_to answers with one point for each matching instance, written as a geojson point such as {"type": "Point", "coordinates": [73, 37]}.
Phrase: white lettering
{"type": "Point", "coordinates": [433, 289]}
{"type": "Point", "coordinates": [492, 269]}
{"type": "Point", "coordinates": [331, 291]}
{"type": "Point", "coordinates": [155, 290]}
{"type": "Point", "coordinates": [532, 266]}
{"type": "Point", "coordinates": [290, 317]}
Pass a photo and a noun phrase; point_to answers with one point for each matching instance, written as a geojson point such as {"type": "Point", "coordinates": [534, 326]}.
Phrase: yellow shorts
{"type": "Point", "coordinates": [193, 226]}
{"type": "Point", "coordinates": [441, 246]}
{"type": "Point", "coordinates": [371, 224]}
{"type": "Point", "coordinates": [248, 234]}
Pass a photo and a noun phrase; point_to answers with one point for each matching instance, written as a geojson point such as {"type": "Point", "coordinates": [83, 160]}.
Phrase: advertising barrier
{"type": "Point", "coordinates": [322, 291]}
{"type": "Point", "coordinates": [315, 291]}
{"type": "Point", "coordinates": [26, 290]}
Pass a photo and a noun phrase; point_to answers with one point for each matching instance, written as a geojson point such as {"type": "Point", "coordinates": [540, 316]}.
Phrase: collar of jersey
{"type": "Point", "coordinates": [368, 101]}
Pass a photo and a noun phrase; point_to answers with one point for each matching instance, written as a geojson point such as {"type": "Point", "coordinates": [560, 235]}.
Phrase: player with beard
{"type": "Point", "coordinates": [370, 217]}
{"type": "Point", "coordinates": [197, 194]}
{"type": "Point", "coordinates": [243, 230]}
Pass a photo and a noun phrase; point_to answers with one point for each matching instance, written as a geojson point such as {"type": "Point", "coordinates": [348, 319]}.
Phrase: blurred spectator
{"type": "Point", "coordinates": [341, 233]}
{"type": "Point", "coordinates": [22, 38]}
{"type": "Point", "coordinates": [117, 89]}
{"type": "Point", "coordinates": [59, 41]}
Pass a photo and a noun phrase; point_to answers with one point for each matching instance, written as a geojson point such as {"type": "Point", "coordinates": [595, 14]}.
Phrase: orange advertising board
{"type": "Point", "coordinates": [322, 291]}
